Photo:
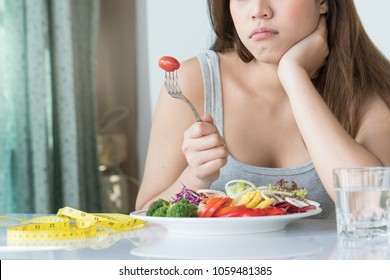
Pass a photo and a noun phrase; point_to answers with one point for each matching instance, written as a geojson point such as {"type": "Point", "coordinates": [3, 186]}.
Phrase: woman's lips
{"type": "Point", "coordinates": [262, 33]}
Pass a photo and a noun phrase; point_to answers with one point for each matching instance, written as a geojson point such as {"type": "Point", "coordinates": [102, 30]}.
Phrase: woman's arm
{"type": "Point", "coordinates": [328, 143]}
{"type": "Point", "coordinates": [181, 151]}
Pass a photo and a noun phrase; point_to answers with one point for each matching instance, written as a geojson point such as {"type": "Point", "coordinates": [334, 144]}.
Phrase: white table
{"type": "Point", "coordinates": [302, 239]}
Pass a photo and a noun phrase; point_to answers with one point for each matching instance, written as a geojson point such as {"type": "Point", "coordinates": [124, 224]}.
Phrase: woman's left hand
{"type": "Point", "coordinates": [309, 54]}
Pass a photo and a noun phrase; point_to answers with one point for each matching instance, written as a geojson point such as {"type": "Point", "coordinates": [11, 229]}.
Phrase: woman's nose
{"type": "Point", "coordinates": [261, 9]}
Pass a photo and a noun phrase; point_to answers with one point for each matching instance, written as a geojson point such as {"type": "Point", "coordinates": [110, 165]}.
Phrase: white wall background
{"type": "Point", "coordinates": [178, 28]}
{"type": "Point", "coordinates": [375, 15]}
{"type": "Point", "coordinates": [181, 28]}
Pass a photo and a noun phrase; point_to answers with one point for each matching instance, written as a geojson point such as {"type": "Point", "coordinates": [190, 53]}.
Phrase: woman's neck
{"type": "Point", "coordinates": [264, 80]}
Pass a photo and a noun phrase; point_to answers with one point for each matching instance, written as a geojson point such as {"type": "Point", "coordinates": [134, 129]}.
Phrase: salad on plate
{"type": "Point", "coordinates": [240, 199]}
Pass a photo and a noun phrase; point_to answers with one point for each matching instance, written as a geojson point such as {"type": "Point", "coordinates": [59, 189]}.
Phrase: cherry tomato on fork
{"type": "Point", "coordinates": [169, 63]}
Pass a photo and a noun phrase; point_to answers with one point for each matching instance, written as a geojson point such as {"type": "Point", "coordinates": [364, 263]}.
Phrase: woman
{"type": "Point", "coordinates": [289, 90]}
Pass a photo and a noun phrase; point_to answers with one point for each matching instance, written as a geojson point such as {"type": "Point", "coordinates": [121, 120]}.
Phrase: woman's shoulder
{"type": "Point", "coordinates": [374, 107]}
{"type": "Point", "coordinates": [189, 73]}
{"type": "Point", "coordinates": [191, 81]}
{"type": "Point", "coordinates": [374, 129]}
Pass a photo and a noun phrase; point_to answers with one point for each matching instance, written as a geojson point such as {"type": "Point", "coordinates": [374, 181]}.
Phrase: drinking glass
{"type": "Point", "coordinates": [362, 202]}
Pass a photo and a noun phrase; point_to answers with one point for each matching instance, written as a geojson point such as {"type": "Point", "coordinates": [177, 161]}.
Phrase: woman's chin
{"type": "Point", "coordinates": [267, 57]}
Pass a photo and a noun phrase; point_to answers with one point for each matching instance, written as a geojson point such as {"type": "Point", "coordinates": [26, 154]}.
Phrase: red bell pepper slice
{"type": "Point", "coordinates": [213, 205]}
{"type": "Point", "coordinates": [272, 211]}
{"type": "Point", "coordinates": [206, 207]}
{"type": "Point", "coordinates": [237, 211]}
{"type": "Point", "coordinates": [228, 210]}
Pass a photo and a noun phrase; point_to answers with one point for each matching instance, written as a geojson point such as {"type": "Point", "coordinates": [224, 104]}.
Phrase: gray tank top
{"type": "Point", "coordinates": [305, 176]}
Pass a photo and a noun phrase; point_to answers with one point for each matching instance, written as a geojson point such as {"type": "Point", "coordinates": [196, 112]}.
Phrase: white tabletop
{"type": "Point", "coordinates": [302, 239]}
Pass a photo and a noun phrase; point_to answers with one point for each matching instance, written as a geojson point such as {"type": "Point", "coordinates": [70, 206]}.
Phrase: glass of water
{"type": "Point", "coordinates": [362, 202]}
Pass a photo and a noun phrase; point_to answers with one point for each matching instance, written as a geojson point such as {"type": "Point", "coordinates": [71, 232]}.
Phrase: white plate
{"type": "Point", "coordinates": [272, 245]}
{"type": "Point", "coordinates": [236, 225]}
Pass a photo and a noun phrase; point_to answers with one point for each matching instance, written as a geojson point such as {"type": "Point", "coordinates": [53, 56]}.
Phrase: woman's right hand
{"type": "Point", "coordinates": [205, 151]}
{"type": "Point", "coordinates": [309, 54]}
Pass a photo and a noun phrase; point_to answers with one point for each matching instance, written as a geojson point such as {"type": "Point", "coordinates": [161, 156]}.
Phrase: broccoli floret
{"type": "Point", "coordinates": [156, 205]}
{"type": "Point", "coordinates": [182, 209]}
{"type": "Point", "coordinates": [161, 212]}
{"type": "Point", "coordinates": [163, 208]}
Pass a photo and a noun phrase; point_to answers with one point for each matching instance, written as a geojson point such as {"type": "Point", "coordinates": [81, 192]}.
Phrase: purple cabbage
{"type": "Point", "coordinates": [191, 196]}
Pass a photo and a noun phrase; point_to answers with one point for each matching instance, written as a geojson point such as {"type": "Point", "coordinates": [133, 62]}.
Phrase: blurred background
{"type": "Point", "coordinates": [79, 83]}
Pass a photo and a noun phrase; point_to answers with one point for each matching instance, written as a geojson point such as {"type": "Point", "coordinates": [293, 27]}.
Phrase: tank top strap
{"type": "Point", "coordinates": [209, 63]}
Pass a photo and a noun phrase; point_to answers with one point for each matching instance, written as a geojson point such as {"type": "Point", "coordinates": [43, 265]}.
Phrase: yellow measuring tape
{"type": "Point", "coordinates": [69, 223]}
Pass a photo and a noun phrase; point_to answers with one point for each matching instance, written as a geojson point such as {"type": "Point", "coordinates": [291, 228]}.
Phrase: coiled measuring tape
{"type": "Point", "coordinates": [68, 224]}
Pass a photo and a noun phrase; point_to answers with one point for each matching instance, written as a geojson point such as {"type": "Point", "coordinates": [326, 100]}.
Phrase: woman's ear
{"type": "Point", "coordinates": [324, 7]}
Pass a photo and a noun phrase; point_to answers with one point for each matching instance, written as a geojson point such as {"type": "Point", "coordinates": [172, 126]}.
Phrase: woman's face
{"type": "Point", "coordinates": [268, 28]}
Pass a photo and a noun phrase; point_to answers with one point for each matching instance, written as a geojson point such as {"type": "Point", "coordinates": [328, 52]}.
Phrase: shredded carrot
{"type": "Point", "coordinates": [209, 196]}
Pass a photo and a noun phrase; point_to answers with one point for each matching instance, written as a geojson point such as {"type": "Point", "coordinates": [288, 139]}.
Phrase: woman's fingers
{"type": "Point", "coordinates": [198, 158]}
{"type": "Point", "coordinates": [205, 149]}
{"type": "Point", "coordinates": [202, 136]}
{"type": "Point", "coordinates": [207, 118]}
{"type": "Point", "coordinates": [210, 169]}
{"type": "Point", "coordinates": [203, 143]}
{"type": "Point", "coordinates": [200, 129]}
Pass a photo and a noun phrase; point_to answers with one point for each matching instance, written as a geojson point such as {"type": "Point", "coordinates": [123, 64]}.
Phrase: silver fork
{"type": "Point", "coordinates": [173, 88]}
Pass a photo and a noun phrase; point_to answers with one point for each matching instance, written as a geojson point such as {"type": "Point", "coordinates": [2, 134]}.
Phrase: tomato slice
{"type": "Point", "coordinates": [243, 212]}
{"type": "Point", "coordinates": [214, 204]}
{"type": "Point", "coordinates": [207, 206]}
{"type": "Point", "coordinates": [260, 211]}
{"type": "Point", "coordinates": [169, 63]}
{"type": "Point", "coordinates": [228, 209]}
{"type": "Point", "coordinates": [274, 211]}
{"type": "Point", "coordinates": [251, 214]}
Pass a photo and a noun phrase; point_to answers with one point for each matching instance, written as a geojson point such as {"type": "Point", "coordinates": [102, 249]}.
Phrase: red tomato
{"type": "Point", "coordinates": [228, 209]}
{"type": "Point", "coordinates": [250, 214]}
{"type": "Point", "coordinates": [207, 207]}
{"type": "Point", "coordinates": [169, 63]}
{"type": "Point", "coordinates": [240, 212]}
{"type": "Point", "coordinates": [214, 204]}
{"type": "Point", "coordinates": [261, 212]}
{"type": "Point", "coordinates": [274, 211]}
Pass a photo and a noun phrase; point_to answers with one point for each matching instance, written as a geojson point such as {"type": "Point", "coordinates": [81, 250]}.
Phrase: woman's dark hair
{"type": "Point", "coordinates": [355, 69]}
{"type": "Point", "coordinates": [225, 32]}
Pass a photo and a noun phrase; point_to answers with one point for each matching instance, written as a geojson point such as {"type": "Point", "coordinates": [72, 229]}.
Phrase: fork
{"type": "Point", "coordinates": [170, 65]}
